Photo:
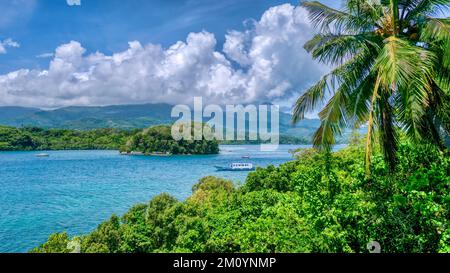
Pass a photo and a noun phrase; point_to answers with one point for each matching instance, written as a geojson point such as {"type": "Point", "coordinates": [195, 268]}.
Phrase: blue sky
{"type": "Point", "coordinates": [48, 51]}
{"type": "Point", "coordinates": [108, 25]}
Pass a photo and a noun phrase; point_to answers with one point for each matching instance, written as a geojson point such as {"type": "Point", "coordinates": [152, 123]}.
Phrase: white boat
{"type": "Point", "coordinates": [42, 155]}
{"type": "Point", "coordinates": [237, 167]}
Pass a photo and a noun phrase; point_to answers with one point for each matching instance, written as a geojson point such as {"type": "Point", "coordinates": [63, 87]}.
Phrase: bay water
{"type": "Point", "coordinates": [74, 191]}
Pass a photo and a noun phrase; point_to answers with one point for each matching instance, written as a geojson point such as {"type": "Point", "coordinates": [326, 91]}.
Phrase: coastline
{"type": "Point", "coordinates": [103, 184]}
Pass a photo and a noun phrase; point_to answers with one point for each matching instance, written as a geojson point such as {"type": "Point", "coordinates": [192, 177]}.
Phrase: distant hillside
{"type": "Point", "coordinates": [11, 113]}
{"type": "Point", "coordinates": [84, 118]}
{"type": "Point", "coordinates": [121, 117]}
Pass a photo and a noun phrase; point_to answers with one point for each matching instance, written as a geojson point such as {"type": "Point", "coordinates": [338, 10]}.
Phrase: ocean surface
{"type": "Point", "coordinates": [74, 191]}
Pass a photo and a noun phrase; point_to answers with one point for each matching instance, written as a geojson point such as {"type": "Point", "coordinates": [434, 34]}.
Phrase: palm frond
{"type": "Point", "coordinates": [439, 110]}
{"type": "Point", "coordinates": [353, 71]}
{"type": "Point", "coordinates": [349, 76]}
{"type": "Point", "coordinates": [425, 7]}
{"type": "Point", "coordinates": [360, 102]}
{"type": "Point", "coordinates": [393, 6]}
{"type": "Point", "coordinates": [333, 119]}
{"type": "Point", "coordinates": [317, 40]}
{"type": "Point", "coordinates": [310, 99]}
{"type": "Point", "coordinates": [322, 16]}
{"type": "Point", "coordinates": [436, 29]}
{"type": "Point", "coordinates": [407, 70]}
{"type": "Point", "coordinates": [341, 48]}
{"type": "Point", "coordinates": [401, 63]}
{"type": "Point", "coordinates": [391, 71]}
{"type": "Point", "coordinates": [370, 11]}
{"type": "Point", "coordinates": [356, 76]}
{"type": "Point", "coordinates": [387, 130]}
{"type": "Point", "coordinates": [363, 6]}
{"type": "Point", "coordinates": [370, 124]}
{"type": "Point", "coordinates": [327, 18]}
{"type": "Point", "coordinates": [437, 33]}
{"type": "Point", "coordinates": [431, 128]}
{"type": "Point", "coordinates": [411, 104]}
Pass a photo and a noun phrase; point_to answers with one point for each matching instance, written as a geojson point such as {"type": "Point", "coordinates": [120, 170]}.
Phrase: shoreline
{"type": "Point", "coordinates": [93, 149]}
{"type": "Point", "coordinates": [105, 183]}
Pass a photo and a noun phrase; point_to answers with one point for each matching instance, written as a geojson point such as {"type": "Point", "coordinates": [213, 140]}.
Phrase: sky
{"type": "Point", "coordinates": [56, 53]}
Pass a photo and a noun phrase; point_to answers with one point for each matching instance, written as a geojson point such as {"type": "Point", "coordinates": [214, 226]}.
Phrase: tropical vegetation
{"type": "Point", "coordinates": [320, 202]}
{"type": "Point", "coordinates": [391, 61]}
{"type": "Point", "coordinates": [390, 72]}
{"type": "Point", "coordinates": [159, 139]}
{"type": "Point", "coordinates": [33, 138]}
{"type": "Point", "coordinates": [154, 139]}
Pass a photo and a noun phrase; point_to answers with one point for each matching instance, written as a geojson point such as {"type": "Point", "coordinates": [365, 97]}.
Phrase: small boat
{"type": "Point", "coordinates": [237, 167]}
{"type": "Point", "coordinates": [246, 157]}
{"type": "Point", "coordinates": [42, 155]}
{"type": "Point", "coordinates": [136, 153]}
{"type": "Point", "coordinates": [160, 154]}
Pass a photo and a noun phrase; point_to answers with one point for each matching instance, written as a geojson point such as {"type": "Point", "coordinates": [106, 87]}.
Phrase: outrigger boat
{"type": "Point", "coordinates": [237, 167]}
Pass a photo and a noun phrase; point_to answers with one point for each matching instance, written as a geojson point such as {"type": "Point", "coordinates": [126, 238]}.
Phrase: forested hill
{"type": "Point", "coordinates": [120, 117]}
{"type": "Point", "coordinates": [34, 138]}
{"type": "Point", "coordinates": [85, 118]}
{"type": "Point", "coordinates": [31, 139]}
{"type": "Point", "coordinates": [156, 139]}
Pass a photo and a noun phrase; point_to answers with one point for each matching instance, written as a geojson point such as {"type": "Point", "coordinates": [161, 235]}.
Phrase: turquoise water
{"type": "Point", "coordinates": [74, 191]}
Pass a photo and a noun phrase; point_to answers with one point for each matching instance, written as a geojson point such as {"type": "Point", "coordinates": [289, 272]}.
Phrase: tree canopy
{"type": "Point", "coordinates": [153, 139]}
{"type": "Point", "coordinates": [33, 138]}
{"type": "Point", "coordinates": [390, 62]}
{"type": "Point", "coordinates": [319, 202]}
{"type": "Point", "coordinates": [159, 139]}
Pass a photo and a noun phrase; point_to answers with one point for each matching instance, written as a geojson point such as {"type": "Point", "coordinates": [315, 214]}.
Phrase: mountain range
{"type": "Point", "coordinates": [120, 116]}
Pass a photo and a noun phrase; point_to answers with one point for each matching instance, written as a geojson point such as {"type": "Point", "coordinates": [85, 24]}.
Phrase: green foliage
{"type": "Point", "coordinates": [271, 177]}
{"type": "Point", "coordinates": [57, 243]}
{"type": "Point", "coordinates": [32, 138]}
{"type": "Point", "coordinates": [154, 139]}
{"type": "Point", "coordinates": [159, 139]}
{"type": "Point", "coordinates": [105, 239]}
{"type": "Point", "coordinates": [321, 202]}
{"type": "Point", "coordinates": [126, 117]}
{"type": "Point", "coordinates": [391, 72]}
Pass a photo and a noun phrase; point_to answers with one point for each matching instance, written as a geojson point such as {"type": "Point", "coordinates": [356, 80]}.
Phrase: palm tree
{"type": "Point", "coordinates": [391, 62]}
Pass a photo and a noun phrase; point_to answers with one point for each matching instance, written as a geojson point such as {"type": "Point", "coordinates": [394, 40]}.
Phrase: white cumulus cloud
{"type": "Point", "coordinates": [7, 43]}
{"type": "Point", "coordinates": [73, 2]}
{"type": "Point", "coordinates": [265, 62]}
